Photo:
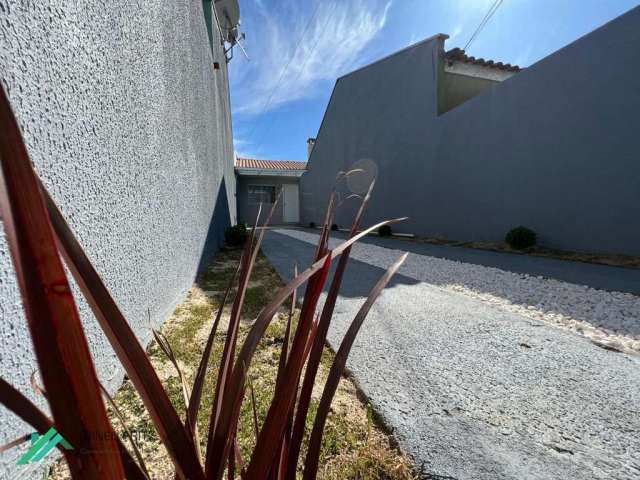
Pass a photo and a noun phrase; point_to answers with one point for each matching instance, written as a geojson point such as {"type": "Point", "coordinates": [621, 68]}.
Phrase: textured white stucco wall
{"type": "Point", "coordinates": [129, 126]}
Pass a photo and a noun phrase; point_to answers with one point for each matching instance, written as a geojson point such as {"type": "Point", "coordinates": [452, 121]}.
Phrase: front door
{"type": "Point", "coordinates": [291, 203]}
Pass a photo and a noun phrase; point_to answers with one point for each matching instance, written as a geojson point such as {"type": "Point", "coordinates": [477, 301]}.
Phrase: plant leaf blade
{"type": "Point", "coordinates": [127, 348]}
{"type": "Point", "coordinates": [313, 452]}
{"type": "Point", "coordinates": [56, 331]}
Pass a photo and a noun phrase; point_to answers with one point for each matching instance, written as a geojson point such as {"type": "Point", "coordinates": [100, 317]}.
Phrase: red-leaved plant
{"type": "Point", "coordinates": [39, 236]}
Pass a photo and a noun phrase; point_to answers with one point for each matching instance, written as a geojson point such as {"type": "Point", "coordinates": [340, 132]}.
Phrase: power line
{"type": "Point", "coordinates": [284, 70]}
{"type": "Point", "coordinates": [304, 64]}
{"type": "Point", "coordinates": [494, 7]}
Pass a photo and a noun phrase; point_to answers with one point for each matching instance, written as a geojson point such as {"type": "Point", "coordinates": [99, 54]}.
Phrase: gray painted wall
{"type": "Point", "coordinates": [247, 212]}
{"type": "Point", "coordinates": [554, 148]}
{"type": "Point", "coordinates": [129, 126]}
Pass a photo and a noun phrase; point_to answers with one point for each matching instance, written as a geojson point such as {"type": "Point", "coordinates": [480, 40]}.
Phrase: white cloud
{"type": "Point", "coordinates": [243, 147]}
{"type": "Point", "coordinates": [524, 57]}
{"type": "Point", "coordinates": [332, 46]}
{"type": "Point", "coordinates": [454, 36]}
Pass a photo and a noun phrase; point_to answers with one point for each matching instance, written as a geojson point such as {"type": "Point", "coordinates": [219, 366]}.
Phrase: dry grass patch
{"type": "Point", "coordinates": [354, 445]}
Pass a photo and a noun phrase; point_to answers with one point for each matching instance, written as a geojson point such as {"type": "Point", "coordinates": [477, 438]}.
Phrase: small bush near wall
{"type": "Point", "coordinates": [312, 225]}
{"type": "Point", "coordinates": [235, 236]}
{"type": "Point", "coordinates": [335, 227]}
{"type": "Point", "coordinates": [384, 231]}
{"type": "Point", "coordinates": [520, 238]}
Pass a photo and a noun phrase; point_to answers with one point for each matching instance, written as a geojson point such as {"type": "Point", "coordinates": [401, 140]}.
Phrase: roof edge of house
{"type": "Point", "coordinates": [266, 172]}
{"type": "Point", "coordinates": [274, 168]}
{"type": "Point", "coordinates": [442, 36]}
{"type": "Point", "coordinates": [299, 162]}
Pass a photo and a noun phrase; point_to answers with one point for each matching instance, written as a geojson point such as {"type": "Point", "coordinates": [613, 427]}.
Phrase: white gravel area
{"type": "Point", "coordinates": [611, 319]}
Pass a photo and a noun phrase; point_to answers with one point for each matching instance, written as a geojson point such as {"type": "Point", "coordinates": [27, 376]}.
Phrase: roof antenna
{"type": "Point", "coordinates": [229, 12]}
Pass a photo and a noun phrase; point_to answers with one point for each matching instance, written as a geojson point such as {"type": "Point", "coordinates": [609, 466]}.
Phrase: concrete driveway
{"type": "Point", "coordinates": [473, 390]}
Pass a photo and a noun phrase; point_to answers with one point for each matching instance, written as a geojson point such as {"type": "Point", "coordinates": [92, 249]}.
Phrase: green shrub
{"type": "Point", "coordinates": [384, 231]}
{"type": "Point", "coordinates": [335, 227]}
{"type": "Point", "coordinates": [312, 224]}
{"type": "Point", "coordinates": [236, 236]}
{"type": "Point", "coordinates": [520, 238]}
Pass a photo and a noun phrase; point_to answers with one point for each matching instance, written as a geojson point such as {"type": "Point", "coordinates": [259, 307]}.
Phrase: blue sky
{"type": "Point", "coordinates": [275, 109]}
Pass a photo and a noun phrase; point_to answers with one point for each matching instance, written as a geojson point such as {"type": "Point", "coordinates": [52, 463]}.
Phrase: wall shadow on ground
{"type": "Point", "coordinates": [601, 277]}
{"type": "Point", "coordinates": [447, 267]}
{"type": "Point", "coordinates": [219, 222]}
{"type": "Point", "coordinates": [359, 277]}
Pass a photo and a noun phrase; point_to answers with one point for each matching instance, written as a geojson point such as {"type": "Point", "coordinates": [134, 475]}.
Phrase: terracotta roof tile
{"type": "Point", "coordinates": [270, 164]}
{"type": "Point", "coordinates": [458, 54]}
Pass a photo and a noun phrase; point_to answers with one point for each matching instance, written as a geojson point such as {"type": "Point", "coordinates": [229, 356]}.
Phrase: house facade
{"type": "Point", "coordinates": [469, 148]}
{"type": "Point", "coordinates": [125, 112]}
{"type": "Point", "coordinates": [260, 182]}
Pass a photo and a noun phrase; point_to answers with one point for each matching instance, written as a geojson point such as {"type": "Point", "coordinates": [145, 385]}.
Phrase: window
{"type": "Point", "coordinates": [262, 194]}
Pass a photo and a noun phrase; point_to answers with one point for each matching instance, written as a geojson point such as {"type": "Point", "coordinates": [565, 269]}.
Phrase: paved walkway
{"type": "Point", "coordinates": [474, 392]}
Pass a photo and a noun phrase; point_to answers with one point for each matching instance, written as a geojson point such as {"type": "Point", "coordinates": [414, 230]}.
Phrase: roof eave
{"type": "Point", "coordinates": [265, 172]}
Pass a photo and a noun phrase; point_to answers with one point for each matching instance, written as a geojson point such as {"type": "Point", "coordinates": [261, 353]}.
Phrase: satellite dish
{"type": "Point", "coordinates": [228, 12]}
